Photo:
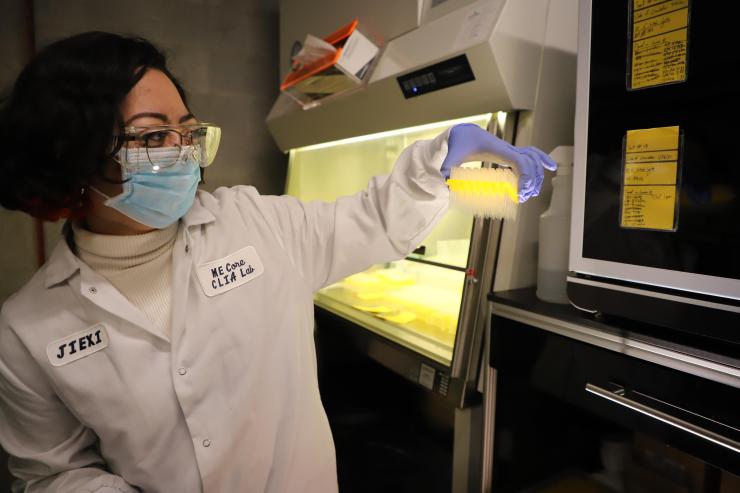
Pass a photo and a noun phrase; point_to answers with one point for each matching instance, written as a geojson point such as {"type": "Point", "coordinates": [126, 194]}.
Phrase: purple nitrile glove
{"type": "Point", "coordinates": [469, 142]}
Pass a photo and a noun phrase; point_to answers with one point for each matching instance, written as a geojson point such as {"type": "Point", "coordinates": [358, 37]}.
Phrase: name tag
{"type": "Point", "coordinates": [230, 272]}
{"type": "Point", "coordinates": [77, 345]}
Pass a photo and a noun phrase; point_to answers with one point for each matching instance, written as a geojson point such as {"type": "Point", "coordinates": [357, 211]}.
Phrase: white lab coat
{"type": "Point", "coordinates": [229, 404]}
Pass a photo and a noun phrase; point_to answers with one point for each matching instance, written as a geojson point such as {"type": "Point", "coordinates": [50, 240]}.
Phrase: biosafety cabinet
{"type": "Point", "coordinates": [508, 66]}
{"type": "Point", "coordinates": [414, 302]}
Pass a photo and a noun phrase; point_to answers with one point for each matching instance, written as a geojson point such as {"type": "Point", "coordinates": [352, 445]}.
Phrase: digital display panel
{"type": "Point", "coordinates": [441, 75]}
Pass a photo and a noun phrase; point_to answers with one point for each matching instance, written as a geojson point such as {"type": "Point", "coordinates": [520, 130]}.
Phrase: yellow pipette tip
{"type": "Point", "coordinates": [484, 192]}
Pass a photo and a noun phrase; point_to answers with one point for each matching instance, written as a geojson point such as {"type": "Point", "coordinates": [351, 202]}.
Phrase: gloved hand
{"type": "Point", "coordinates": [469, 142]}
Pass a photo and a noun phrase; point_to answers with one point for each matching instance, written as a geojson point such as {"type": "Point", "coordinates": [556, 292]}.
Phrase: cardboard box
{"type": "Point", "coordinates": [347, 68]}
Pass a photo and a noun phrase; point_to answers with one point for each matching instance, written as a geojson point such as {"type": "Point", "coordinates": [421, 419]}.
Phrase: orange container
{"type": "Point", "coordinates": [335, 73]}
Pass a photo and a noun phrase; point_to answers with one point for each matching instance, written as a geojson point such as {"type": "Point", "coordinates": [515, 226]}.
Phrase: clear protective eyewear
{"type": "Point", "coordinates": [162, 146]}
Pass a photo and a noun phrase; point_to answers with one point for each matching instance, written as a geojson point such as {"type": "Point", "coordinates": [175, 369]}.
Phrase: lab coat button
{"type": "Point", "coordinates": [182, 371]}
{"type": "Point", "coordinates": [93, 290]}
{"type": "Point", "coordinates": [187, 248]}
{"type": "Point", "coordinates": [206, 443]}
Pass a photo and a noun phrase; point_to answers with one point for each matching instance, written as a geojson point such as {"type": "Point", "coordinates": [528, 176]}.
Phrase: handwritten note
{"type": "Point", "coordinates": [649, 141]}
{"type": "Point", "coordinates": [650, 178]}
{"type": "Point", "coordinates": [650, 174]}
{"type": "Point", "coordinates": [659, 42]}
{"type": "Point", "coordinates": [649, 207]}
{"type": "Point", "coordinates": [641, 4]}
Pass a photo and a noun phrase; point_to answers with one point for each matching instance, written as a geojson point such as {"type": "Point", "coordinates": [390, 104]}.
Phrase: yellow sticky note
{"type": "Point", "coordinates": [659, 20]}
{"type": "Point", "coordinates": [650, 173]}
{"type": "Point", "coordinates": [650, 177]}
{"type": "Point", "coordinates": [650, 156]}
{"type": "Point", "coordinates": [659, 42]}
{"type": "Point", "coordinates": [651, 140]}
{"type": "Point", "coordinates": [649, 207]}
{"type": "Point", "coordinates": [647, 9]}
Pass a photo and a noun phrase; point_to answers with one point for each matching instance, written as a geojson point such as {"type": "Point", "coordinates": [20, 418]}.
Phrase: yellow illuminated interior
{"type": "Point", "coordinates": [415, 301]}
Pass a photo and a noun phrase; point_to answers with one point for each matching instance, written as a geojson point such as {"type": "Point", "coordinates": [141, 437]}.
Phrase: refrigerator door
{"type": "Point", "coordinates": [414, 302]}
{"type": "Point", "coordinates": [656, 191]}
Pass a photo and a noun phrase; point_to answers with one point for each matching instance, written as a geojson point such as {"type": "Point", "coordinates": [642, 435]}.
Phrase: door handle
{"type": "Point", "coordinates": [679, 423]}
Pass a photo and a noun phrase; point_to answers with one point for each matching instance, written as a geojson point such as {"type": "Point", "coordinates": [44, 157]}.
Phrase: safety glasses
{"type": "Point", "coordinates": [162, 146]}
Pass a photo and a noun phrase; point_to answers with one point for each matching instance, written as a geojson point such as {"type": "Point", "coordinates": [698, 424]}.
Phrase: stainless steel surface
{"type": "Point", "coordinates": [580, 137]}
{"type": "Point", "coordinates": [678, 423]}
{"type": "Point", "coordinates": [489, 424]}
{"type": "Point", "coordinates": [489, 415]}
{"type": "Point", "coordinates": [489, 427]}
{"type": "Point", "coordinates": [474, 311]}
{"type": "Point", "coordinates": [655, 354]}
{"type": "Point", "coordinates": [466, 456]}
{"type": "Point", "coordinates": [655, 294]}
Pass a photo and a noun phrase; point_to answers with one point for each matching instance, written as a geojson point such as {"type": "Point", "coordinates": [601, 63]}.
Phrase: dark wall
{"type": "Point", "coordinates": [225, 52]}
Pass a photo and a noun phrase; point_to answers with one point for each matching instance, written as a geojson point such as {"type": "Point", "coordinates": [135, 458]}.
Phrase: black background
{"type": "Point", "coordinates": [707, 239]}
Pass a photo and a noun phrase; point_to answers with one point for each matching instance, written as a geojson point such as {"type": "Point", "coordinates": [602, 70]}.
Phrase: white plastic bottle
{"type": "Point", "coordinates": [552, 264]}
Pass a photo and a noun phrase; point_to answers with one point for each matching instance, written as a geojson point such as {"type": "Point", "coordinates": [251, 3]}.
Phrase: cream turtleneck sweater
{"type": "Point", "coordinates": [139, 266]}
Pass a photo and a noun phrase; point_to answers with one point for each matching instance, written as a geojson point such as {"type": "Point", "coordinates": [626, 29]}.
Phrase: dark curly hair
{"type": "Point", "coordinates": [57, 126]}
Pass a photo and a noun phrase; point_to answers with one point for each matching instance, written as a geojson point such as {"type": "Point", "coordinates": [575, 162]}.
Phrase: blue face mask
{"type": "Point", "coordinates": [156, 192]}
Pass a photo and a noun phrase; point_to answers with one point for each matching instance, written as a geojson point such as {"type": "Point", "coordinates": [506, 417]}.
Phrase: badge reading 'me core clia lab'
{"type": "Point", "coordinates": [76, 346]}
{"type": "Point", "coordinates": [227, 273]}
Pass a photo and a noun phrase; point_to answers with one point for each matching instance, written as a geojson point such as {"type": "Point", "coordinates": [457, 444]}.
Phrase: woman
{"type": "Point", "coordinates": [166, 345]}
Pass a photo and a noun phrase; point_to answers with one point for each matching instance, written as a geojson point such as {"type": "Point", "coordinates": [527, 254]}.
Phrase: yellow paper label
{"type": "Point", "coordinates": [659, 42]}
{"type": "Point", "coordinates": [647, 10]}
{"type": "Point", "coordinates": [649, 207]}
{"type": "Point", "coordinates": [651, 140]}
{"type": "Point", "coordinates": [650, 177]}
{"type": "Point", "coordinates": [653, 156]}
{"type": "Point", "coordinates": [641, 4]}
{"type": "Point", "coordinates": [650, 174]}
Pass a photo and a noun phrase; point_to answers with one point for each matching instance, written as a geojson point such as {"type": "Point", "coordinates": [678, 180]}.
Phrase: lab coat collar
{"type": "Point", "coordinates": [63, 263]}
{"type": "Point", "coordinates": [198, 214]}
